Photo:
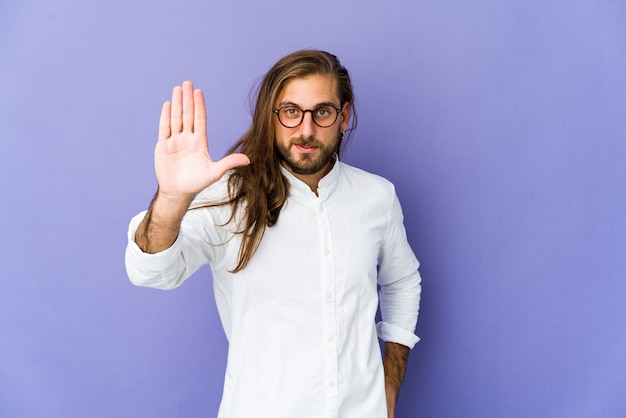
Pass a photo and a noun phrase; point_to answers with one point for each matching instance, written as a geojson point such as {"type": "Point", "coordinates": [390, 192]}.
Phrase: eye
{"type": "Point", "coordinates": [291, 112]}
{"type": "Point", "coordinates": [323, 112]}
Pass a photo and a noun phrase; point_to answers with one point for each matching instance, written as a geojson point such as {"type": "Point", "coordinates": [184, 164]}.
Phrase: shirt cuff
{"type": "Point", "coordinates": [140, 263]}
{"type": "Point", "coordinates": [392, 333]}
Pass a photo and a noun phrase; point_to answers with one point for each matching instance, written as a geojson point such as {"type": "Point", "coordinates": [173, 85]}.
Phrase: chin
{"type": "Point", "coordinates": [305, 167]}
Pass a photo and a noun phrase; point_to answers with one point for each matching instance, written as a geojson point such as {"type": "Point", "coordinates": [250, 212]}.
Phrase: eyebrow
{"type": "Point", "coordinates": [283, 104]}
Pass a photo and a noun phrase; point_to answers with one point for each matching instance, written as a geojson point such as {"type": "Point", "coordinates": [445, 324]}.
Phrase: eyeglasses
{"type": "Point", "coordinates": [291, 116]}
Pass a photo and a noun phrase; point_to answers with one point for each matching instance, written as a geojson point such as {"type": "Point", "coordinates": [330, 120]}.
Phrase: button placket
{"type": "Point", "coordinates": [330, 313]}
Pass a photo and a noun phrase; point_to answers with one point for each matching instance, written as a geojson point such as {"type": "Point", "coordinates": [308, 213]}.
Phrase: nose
{"type": "Point", "coordinates": [307, 127]}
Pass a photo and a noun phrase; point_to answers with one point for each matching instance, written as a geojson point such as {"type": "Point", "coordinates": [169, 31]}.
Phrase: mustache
{"type": "Point", "coordinates": [307, 142]}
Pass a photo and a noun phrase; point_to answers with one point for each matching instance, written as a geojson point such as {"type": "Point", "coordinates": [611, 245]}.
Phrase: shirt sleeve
{"type": "Point", "coordinates": [199, 242]}
{"type": "Point", "coordinates": [400, 283]}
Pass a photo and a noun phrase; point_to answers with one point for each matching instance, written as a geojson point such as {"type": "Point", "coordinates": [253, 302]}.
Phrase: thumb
{"type": "Point", "coordinates": [231, 161]}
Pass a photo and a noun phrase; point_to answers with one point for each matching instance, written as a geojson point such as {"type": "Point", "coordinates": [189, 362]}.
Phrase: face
{"type": "Point", "coordinates": [308, 150]}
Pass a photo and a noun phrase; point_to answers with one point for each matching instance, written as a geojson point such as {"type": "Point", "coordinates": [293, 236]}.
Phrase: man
{"type": "Point", "coordinates": [298, 243]}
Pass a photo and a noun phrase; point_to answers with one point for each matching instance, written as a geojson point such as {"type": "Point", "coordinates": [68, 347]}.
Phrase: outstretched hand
{"type": "Point", "coordinates": [181, 158]}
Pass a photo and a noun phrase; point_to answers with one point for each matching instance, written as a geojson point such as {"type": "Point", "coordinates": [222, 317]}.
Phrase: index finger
{"type": "Point", "coordinates": [199, 124]}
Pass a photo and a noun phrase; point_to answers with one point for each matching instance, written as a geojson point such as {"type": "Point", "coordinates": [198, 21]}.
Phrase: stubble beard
{"type": "Point", "coordinates": [306, 164]}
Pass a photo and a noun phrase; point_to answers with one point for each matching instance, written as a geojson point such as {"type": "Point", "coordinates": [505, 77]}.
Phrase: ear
{"type": "Point", "coordinates": [345, 116]}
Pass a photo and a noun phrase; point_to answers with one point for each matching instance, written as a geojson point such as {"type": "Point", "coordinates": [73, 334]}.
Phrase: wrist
{"type": "Point", "coordinates": [167, 211]}
{"type": "Point", "coordinates": [160, 227]}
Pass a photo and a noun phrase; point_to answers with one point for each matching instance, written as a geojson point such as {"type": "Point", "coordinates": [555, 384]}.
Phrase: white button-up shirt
{"type": "Point", "coordinates": [300, 318]}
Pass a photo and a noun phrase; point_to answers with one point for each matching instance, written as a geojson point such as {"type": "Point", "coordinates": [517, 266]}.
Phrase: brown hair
{"type": "Point", "coordinates": [260, 186]}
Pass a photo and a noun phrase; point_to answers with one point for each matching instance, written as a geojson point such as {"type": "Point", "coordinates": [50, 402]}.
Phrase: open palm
{"type": "Point", "coordinates": [181, 158]}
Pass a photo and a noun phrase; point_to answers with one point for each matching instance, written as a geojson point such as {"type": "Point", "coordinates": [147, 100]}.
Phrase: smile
{"type": "Point", "coordinates": [305, 149]}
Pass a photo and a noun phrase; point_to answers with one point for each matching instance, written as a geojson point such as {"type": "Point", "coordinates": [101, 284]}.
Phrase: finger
{"type": "Point", "coordinates": [188, 105]}
{"type": "Point", "coordinates": [177, 109]}
{"type": "Point", "coordinates": [199, 123]}
{"type": "Point", "coordinates": [164, 121]}
{"type": "Point", "coordinates": [229, 162]}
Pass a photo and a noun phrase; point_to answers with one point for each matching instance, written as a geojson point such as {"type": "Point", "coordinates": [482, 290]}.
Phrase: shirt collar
{"type": "Point", "coordinates": [325, 186]}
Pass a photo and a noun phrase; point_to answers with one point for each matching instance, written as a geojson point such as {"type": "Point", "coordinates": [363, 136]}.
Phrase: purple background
{"type": "Point", "coordinates": [502, 123]}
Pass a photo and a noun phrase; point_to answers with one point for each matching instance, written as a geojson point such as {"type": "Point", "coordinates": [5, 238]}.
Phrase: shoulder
{"type": "Point", "coordinates": [364, 180]}
{"type": "Point", "coordinates": [369, 190]}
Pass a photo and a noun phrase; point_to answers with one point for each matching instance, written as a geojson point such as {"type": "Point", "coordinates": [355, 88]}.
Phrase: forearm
{"type": "Point", "coordinates": [160, 227]}
{"type": "Point", "coordinates": [394, 363]}
{"type": "Point", "coordinates": [170, 267]}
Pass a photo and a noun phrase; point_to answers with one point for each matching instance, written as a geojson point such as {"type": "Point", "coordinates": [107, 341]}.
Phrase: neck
{"type": "Point", "coordinates": [312, 180]}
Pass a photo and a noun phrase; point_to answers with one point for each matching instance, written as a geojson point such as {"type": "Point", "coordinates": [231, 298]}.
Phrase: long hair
{"type": "Point", "coordinates": [259, 188]}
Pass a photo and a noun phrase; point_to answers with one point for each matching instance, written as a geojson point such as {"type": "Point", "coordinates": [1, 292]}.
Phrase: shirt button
{"type": "Point", "coordinates": [329, 296]}
{"type": "Point", "coordinates": [327, 251]}
{"type": "Point", "coordinates": [331, 339]}
{"type": "Point", "coordinates": [331, 383]}
{"type": "Point", "coordinates": [322, 207]}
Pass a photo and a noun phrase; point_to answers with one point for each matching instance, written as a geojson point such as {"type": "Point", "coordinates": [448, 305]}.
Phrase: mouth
{"type": "Point", "coordinates": [304, 148]}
